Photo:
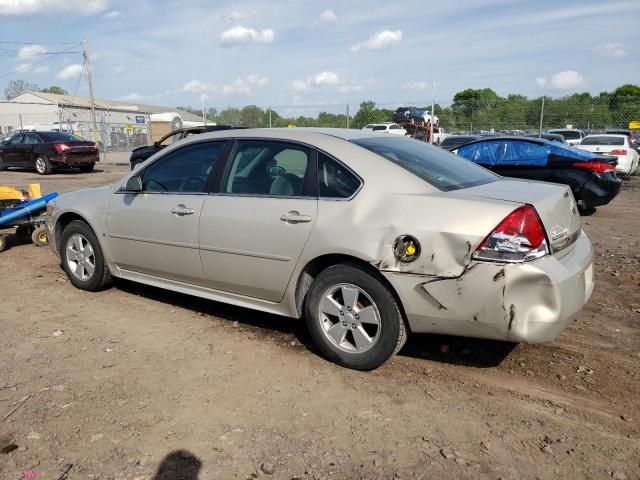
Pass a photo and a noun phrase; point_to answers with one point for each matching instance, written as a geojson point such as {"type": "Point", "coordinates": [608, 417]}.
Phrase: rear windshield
{"type": "Point", "coordinates": [59, 137]}
{"type": "Point", "coordinates": [434, 165]}
{"type": "Point", "coordinates": [603, 140]}
{"type": "Point", "coordinates": [568, 134]}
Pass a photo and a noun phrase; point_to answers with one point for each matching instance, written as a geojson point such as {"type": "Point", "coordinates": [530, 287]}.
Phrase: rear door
{"type": "Point", "coordinates": [10, 152]}
{"type": "Point", "coordinates": [253, 231]}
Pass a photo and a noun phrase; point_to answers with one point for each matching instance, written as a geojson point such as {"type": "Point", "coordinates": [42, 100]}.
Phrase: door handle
{"type": "Point", "coordinates": [181, 210]}
{"type": "Point", "coordinates": [295, 217]}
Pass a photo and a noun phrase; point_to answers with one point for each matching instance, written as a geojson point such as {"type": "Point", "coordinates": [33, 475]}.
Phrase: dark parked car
{"type": "Point", "coordinates": [451, 142]}
{"type": "Point", "coordinates": [140, 154]}
{"type": "Point", "coordinates": [45, 151]}
{"type": "Point", "coordinates": [421, 116]}
{"type": "Point", "coordinates": [591, 176]}
{"type": "Point", "coordinates": [554, 137]}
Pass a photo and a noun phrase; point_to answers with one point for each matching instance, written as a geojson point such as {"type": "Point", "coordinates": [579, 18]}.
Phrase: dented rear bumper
{"type": "Point", "coordinates": [530, 302]}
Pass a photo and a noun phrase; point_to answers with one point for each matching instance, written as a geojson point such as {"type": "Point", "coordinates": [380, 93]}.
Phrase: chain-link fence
{"type": "Point", "coordinates": [121, 130]}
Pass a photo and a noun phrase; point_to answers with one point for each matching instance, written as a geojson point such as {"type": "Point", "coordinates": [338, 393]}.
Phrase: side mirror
{"type": "Point", "coordinates": [133, 185]}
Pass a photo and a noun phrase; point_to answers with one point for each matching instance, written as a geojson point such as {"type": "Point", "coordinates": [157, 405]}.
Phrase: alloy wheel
{"type": "Point", "coordinates": [349, 318]}
{"type": "Point", "coordinates": [80, 257]}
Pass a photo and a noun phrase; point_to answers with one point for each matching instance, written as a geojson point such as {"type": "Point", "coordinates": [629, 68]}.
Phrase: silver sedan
{"type": "Point", "coordinates": [365, 236]}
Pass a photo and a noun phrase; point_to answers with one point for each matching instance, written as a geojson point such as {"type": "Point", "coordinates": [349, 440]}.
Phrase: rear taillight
{"type": "Point", "coordinates": [518, 238]}
{"type": "Point", "coordinates": [598, 167]}
{"type": "Point", "coordinates": [61, 147]}
{"type": "Point", "coordinates": [619, 151]}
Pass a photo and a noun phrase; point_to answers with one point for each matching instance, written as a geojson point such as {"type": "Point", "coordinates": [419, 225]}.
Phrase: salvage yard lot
{"type": "Point", "coordinates": [117, 381]}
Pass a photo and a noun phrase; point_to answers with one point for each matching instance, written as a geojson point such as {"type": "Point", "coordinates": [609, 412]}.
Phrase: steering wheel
{"type": "Point", "coordinates": [196, 184]}
{"type": "Point", "coordinates": [162, 186]}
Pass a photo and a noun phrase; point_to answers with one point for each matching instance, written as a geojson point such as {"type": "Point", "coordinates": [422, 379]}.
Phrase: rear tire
{"type": "Point", "coordinates": [3, 242]}
{"type": "Point", "coordinates": [87, 168]}
{"type": "Point", "coordinates": [353, 318]}
{"type": "Point", "coordinates": [82, 258]}
{"type": "Point", "coordinates": [43, 166]}
{"type": "Point", "coordinates": [2, 166]}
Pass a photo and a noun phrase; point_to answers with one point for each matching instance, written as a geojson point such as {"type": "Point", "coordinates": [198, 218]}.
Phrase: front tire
{"type": "Point", "coordinates": [43, 166]}
{"type": "Point", "coordinates": [353, 318]}
{"type": "Point", "coordinates": [82, 258]}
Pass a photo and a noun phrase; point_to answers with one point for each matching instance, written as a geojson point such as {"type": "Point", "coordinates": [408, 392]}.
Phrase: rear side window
{"type": "Point", "coordinates": [268, 168]}
{"type": "Point", "coordinates": [379, 128]}
{"type": "Point", "coordinates": [334, 180]}
{"type": "Point", "coordinates": [434, 165]}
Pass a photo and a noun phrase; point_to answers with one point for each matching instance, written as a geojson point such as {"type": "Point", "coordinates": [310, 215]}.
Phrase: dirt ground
{"type": "Point", "coordinates": [140, 383]}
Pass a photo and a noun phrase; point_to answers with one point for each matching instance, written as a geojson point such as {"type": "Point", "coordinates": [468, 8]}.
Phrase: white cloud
{"type": "Point", "coordinates": [133, 97]}
{"type": "Point", "coordinates": [51, 7]}
{"type": "Point", "coordinates": [70, 71]}
{"type": "Point", "coordinates": [379, 41]}
{"type": "Point", "coordinates": [30, 68]}
{"type": "Point", "coordinates": [241, 86]}
{"type": "Point", "coordinates": [236, 16]}
{"type": "Point", "coordinates": [565, 80]}
{"type": "Point", "coordinates": [111, 15]}
{"type": "Point", "coordinates": [239, 35]}
{"type": "Point", "coordinates": [610, 50]}
{"type": "Point", "coordinates": [419, 86]}
{"type": "Point", "coordinates": [325, 79]}
{"type": "Point", "coordinates": [31, 51]}
{"type": "Point", "coordinates": [328, 16]}
{"type": "Point", "coordinates": [118, 70]}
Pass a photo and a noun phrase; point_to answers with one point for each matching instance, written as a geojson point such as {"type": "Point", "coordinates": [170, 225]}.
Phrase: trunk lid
{"type": "Point", "coordinates": [553, 202]}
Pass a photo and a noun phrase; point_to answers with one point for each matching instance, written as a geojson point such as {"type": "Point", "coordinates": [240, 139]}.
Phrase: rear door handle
{"type": "Point", "coordinates": [295, 217]}
{"type": "Point", "coordinates": [181, 210]}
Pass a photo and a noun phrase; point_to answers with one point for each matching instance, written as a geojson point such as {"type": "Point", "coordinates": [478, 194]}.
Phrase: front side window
{"type": "Point", "coordinates": [334, 180]}
{"type": "Point", "coordinates": [268, 168]}
{"type": "Point", "coordinates": [184, 170]}
{"type": "Point", "coordinates": [16, 139]}
{"type": "Point", "coordinates": [434, 165]}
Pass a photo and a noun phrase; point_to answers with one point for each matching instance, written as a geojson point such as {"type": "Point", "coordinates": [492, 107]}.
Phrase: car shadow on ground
{"type": "Point", "coordinates": [474, 352]}
{"type": "Point", "coordinates": [179, 465]}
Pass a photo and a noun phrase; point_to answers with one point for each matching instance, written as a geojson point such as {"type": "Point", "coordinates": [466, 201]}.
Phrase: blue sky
{"type": "Point", "coordinates": [305, 52]}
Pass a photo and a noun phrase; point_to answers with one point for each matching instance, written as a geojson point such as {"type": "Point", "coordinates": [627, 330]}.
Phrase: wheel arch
{"type": "Point", "coordinates": [65, 219]}
{"type": "Point", "coordinates": [316, 265]}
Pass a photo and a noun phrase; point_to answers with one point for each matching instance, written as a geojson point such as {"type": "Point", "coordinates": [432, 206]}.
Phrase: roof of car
{"type": "Point", "coordinates": [615, 135]}
{"type": "Point", "coordinates": [300, 134]}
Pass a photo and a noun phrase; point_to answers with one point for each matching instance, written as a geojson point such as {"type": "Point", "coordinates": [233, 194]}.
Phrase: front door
{"type": "Point", "coordinates": [253, 232]}
{"type": "Point", "coordinates": [24, 151]}
{"type": "Point", "coordinates": [155, 232]}
{"type": "Point", "coordinates": [10, 153]}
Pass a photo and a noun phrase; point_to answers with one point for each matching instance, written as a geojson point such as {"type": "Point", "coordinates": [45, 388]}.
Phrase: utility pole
{"type": "Point", "coordinates": [89, 73]}
{"type": "Point", "coordinates": [541, 117]}
{"type": "Point", "coordinates": [433, 94]}
{"type": "Point", "coordinates": [347, 115]}
{"type": "Point", "coordinates": [204, 117]}
{"type": "Point", "coordinates": [269, 117]}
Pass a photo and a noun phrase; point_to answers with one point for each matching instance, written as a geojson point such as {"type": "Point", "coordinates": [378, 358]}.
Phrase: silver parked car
{"type": "Point", "coordinates": [367, 236]}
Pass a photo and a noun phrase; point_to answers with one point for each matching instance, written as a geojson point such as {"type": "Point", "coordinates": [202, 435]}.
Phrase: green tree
{"type": "Point", "coordinates": [16, 87]}
{"type": "Point", "coordinates": [55, 89]}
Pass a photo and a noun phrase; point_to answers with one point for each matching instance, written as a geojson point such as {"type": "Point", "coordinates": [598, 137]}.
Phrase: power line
{"type": "Point", "coordinates": [65, 52]}
{"type": "Point", "coordinates": [39, 43]}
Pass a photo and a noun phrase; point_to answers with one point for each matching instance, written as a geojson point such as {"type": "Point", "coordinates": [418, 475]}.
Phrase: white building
{"type": "Point", "coordinates": [119, 124]}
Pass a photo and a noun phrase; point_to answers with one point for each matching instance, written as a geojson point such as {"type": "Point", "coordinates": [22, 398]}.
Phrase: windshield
{"type": "Point", "coordinates": [603, 140]}
{"type": "Point", "coordinates": [60, 137]}
{"type": "Point", "coordinates": [438, 167]}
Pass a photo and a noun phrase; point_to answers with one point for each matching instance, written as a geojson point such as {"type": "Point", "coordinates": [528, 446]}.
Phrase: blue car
{"type": "Point", "coordinates": [591, 176]}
